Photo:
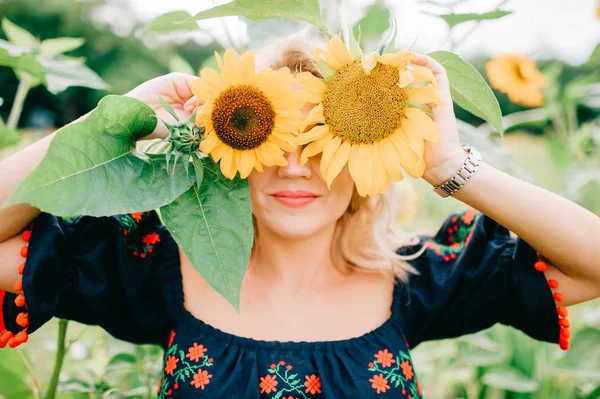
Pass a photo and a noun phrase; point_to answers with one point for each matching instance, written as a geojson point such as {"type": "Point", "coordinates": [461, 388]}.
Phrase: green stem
{"type": "Point", "coordinates": [454, 43]}
{"type": "Point", "coordinates": [15, 112]}
{"type": "Point", "coordinates": [29, 370]}
{"type": "Point", "coordinates": [60, 356]}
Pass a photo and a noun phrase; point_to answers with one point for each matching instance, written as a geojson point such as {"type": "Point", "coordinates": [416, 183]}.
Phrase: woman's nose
{"type": "Point", "coordinates": [294, 169]}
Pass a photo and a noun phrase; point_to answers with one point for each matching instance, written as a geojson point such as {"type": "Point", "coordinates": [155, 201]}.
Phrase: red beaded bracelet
{"type": "Point", "coordinates": [565, 333]}
{"type": "Point", "coordinates": [7, 337]}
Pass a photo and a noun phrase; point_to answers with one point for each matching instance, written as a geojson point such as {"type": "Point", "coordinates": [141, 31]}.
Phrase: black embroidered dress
{"type": "Point", "coordinates": [123, 274]}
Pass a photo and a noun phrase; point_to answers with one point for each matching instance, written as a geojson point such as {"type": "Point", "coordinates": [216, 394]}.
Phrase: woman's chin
{"type": "Point", "coordinates": [295, 226]}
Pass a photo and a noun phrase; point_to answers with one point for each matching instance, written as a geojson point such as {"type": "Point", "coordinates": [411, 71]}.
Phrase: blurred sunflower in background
{"type": "Point", "coordinates": [517, 76]}
{"type": "Point", "coordinates": [250, 118]}
{"type": "Point", "coordinates": [370, 114]}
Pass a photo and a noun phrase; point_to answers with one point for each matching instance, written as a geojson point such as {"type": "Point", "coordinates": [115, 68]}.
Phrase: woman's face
{"type": "Point", "coordinates": [293, 201]}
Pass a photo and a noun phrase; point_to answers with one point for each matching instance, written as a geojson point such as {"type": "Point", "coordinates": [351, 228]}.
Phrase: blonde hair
{"type": "Point", "coordinates": [367, 236]}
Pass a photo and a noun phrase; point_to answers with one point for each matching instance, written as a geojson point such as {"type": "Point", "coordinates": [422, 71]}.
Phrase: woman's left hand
{"type": "Point", "coordinates": [442, 159]}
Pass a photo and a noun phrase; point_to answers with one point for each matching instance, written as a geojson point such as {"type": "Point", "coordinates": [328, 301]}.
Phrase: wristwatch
{"type": "Point", "coordinates": [461, 177]}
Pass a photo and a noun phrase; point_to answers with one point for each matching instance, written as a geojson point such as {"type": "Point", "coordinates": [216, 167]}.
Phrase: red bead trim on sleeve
{"type": "Point", "coordinates": [565, 332]}
{"type": "Point", "coordinates": [7, 337]}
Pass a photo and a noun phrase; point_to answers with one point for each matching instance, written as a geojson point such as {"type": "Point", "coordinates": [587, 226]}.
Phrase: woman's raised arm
{"type": "Point", "coordinates": [175, 88]}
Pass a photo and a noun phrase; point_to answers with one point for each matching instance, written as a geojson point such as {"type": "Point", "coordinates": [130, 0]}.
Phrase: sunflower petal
{"type": "Point", "coordinates": [363, 168]}
{"type": "Point", "coordinates": [408, 159]}
{"type": "Point", "coordinates": [262, 153]}
{"type": "Point", "coordinates": [418, 123]}
{"type": "Point", "coordinates": [292, 100]}
{"type": "Point", "coordinates": [390, 159]}
{"type": "Point", "coordinates": [230, 67]}
{"type": "Point", "coordinates": [314, 88]}
{"type": "Point", "coordinates": [382, 176]}
{"type": "Point", "coordinates": [313, 134]}
{"type": "Point", "coordinates": [368, 62]}
{"type": "Point", "coordinates": [328, 153]}
{"type": "Point", "coordinates": [338, 49]}
{"type": "Point", "coordinates": [283, 142]}
{"type": "Point", "coordinates": [375, 184]}
{"type": "Point", "coordinates": [276, 153]}
{"type": "Point", "coordinates": [315, 147]}
{"type": "Point", "coordinates": [274, 83]}
{"type": "Point", "coordinates": [227, 164]}
{"type": "Point", "coordinates": [405, 77]}
{"type": "Point", "coordinates": [210, 142]}
{"type": "Point", "coordinates": [245, 162]}
{"type": "Point", "coordinates": [257, 165]}
{"type": "Point", "coordinates": [315, 115]}
{"type": "Point", "coordinates": [246, 68]}
{"type": "Point", "coordinates": [426, 94]}
{"type": "Point", "coordinates": [416, 143]}
{"type": "Point", "coordinates": [219, 151]}
{"type": "Point", "coordinates": [398, 59]}
{"type": "Point", "coordinates": [209, 84]}
{"type": "Point", "coordinates": [338, 161]}
{"type": "Point", "coordinates": [287, 124]}
{"type": "Point", "coordinates": [203, 119]}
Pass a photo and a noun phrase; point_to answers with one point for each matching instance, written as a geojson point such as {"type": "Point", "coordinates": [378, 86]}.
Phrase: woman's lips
{"type": "Point", "coordinates": [294, 199]}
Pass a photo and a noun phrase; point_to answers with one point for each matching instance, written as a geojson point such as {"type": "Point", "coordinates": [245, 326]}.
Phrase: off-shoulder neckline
{"type": "Point", "coordinates": [183, 316]}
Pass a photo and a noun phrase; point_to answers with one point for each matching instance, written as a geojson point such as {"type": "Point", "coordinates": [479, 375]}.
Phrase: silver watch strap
{"type": "Point", "coordinates": [461, 177]}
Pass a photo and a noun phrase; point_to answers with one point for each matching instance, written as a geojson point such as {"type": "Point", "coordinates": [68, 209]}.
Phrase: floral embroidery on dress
{"type": "Point", "coordinates": [394, 371]}
{"type": "Point", "coordinates": [138, 244]}
{"type": "Point", "coordinates": [457, 235]}
{"type": "Point", "coordinates": [284, 382]}
{"type": "Point", "coordinates": [184, 367]}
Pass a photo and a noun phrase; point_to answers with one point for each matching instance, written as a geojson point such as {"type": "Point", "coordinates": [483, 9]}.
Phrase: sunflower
{"type": "Point", "coordinates": [370, 114]}
{"type": "Point", "coordinates": [517, 76]}
{"type": "Point", "coordinates": [250, 118]}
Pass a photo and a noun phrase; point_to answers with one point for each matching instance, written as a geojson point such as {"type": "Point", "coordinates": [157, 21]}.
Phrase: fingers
{"type": "Point", "coordinates": [427, 61]}
{"type": "Point", "coordinates": [181, 86]}
{"type": "Point", "coordinates": [191, 104]}
{"type": "Point", "coordinates": [439, 72]}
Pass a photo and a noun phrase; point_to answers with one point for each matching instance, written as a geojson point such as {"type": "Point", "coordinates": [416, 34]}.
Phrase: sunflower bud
{"type": "Point", "coordinates": [184, 140]}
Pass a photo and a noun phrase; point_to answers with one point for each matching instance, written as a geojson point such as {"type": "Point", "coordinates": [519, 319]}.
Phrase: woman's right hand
{"type": "Point", "coordinates": [175, 89]}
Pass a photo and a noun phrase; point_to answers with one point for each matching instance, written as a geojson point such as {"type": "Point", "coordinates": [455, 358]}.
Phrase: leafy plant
{"type": "Point", "coordinates": [36, 63]}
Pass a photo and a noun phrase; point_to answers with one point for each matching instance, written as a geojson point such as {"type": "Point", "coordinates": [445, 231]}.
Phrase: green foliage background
{"type": "Point", "coordinates": [498, 363]}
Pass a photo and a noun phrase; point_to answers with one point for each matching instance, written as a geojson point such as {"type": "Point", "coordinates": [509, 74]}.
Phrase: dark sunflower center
{"type": "Point", "coordinates": [363, 108]}
{"type": "Point", "coordinates": [243, 117]}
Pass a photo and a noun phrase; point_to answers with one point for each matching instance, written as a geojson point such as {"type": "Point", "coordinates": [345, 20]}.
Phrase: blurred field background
{"type": "Point", "coordinates": [555, 144]}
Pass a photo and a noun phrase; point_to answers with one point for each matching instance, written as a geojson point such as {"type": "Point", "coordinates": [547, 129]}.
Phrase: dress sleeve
{"type": "Point", "coordinates": [472, 275]}
{"type": "Point", "coordinates": [106, 271]}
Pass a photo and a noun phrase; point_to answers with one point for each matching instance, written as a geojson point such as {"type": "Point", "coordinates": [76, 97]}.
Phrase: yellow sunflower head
{"type": "Point", "coordinates": [517, 76]}
{"type": "Point", "coordinates": [370, 114]}
{"type": "Point", "coordinates": [250, 118]}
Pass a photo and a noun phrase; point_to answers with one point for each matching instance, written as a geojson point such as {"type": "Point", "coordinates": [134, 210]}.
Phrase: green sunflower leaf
{"type": "Point", "coordinates": [454, 19]}
{"type": "Point", "coordinates": [354, 45]}
{"type": "Point", "coordinates": [168, 107]}
{"type": "Point", "coordinates": [373, 24]}
{"type": "Point", "coordinates": [52, 47]}
{"type": "Point", "coordinates": [212, 224]}
{"type": "Point", "coordinates": [12, 372]}
{"type": "Point", "coordinates": [258, 10]}
{"type": "Point", "coordinates": [24, 62]}
{"type": "Point", "coordinates": [92, 166]}
{"type": "Point", "coordinates": [18, 36]}
{"type": "Point", "coordinates": [391, 46]}
{"type": "Point", "coordinates": [469, 90]}
{"type": "Point", "coordinates": [8, 136]}
{"type": "Point", "coordinates": [510, 379]}
{"type": "Point", "coordinates": [198, 168]}
{"type": "Point", "coordinates": [169, 22]}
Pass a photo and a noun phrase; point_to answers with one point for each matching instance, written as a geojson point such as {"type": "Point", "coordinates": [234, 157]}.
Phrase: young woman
{"type": "Point", "coordinates": [334, 294]}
